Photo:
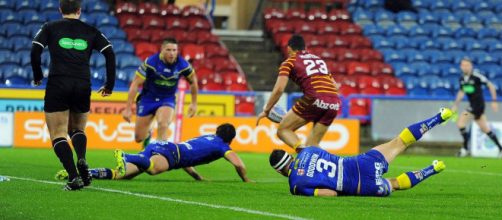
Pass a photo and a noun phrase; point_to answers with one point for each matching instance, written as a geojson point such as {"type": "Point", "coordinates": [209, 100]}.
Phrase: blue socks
{"type": "Point", "coordinates": [414, 132]}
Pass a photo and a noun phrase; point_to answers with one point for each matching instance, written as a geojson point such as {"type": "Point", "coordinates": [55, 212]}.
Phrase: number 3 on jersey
{"type": "Point", "coordinates": [323, 164]}
{"type": "Point", "coordinates": [315, 66]}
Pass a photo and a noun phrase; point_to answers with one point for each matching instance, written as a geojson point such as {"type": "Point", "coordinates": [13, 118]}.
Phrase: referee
{"type": "Point", "coordinates": [68, 90]}
{"type": "Point", "coordinates": [471, 85]}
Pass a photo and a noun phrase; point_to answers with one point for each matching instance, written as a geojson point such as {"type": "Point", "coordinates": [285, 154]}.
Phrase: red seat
{"type": "Point", "coordinates": [337, 68]}
{"type": "Point", "coordinates": [314, 41]}
{"type": "Point", "coordinates": [316, 14]}
{"type": "Point", "coordinates": [326, 28]}
{"type": "Point", "coordinates": [192, 10]}
{"type": "Point", "coordinates": [304, 27]}
{"type": "Point", "coordinates": [283, 26]}
{"type": "Point", "coordinates": [339, 15]}
{"type": "Point", "coordinates": [148, 8]}
{"type": "Point", "coordinates": [358, 68]}
{"type": "Point", "coordinates": [230, 78]}
{"type": "Point", "coordinates": [369, 85]}
{"type": "Point", "coordinates": [392, 85]}
{"type": "Point", "coordinates": [203, 72]}
{"type": "Point", "coordinates": [198, 23]}
{"type": "Point", "coordinates": [207, 38]}
{"type": "Point", "coordinates": [324, 53]}
{"type": "Point", "coordinates": [273, 13]}
{"type": "Point", "coordinates": [244, 105]}
{"type": "Point", "coordinates": [129, 21]}
{"type": "Point", "coordinates": [176, 24]}
{"type": "Point", "coordinates": [348, 89]}
{"type": "Point", "coordinates": [346, 55]}
{"type": "Point", "coordinates": [126, 8]}
{"type": "Point", "coordinates": [136, 35]}
{"type": "Point", "coordinates": [153, 22]}
{"type": "Point", "coordinates": [281, 39]}
{"type": "Point", "coordinates": [157, 37]}
{"type": "Point", "coordinates": [193, 52]}
{"type": "Point", "coordinates": [351, 29]}
{"type": "Point", "coordinates": [170, 10]}
{"type": "Point", "coordinates": [212, 82]}
{"type": "Point", "coordinates": [216, 51]}
{"type": "Point", "coordinates": [295, 14]}
{"type": "Point", "coordinates": [223, 64]}
{"type": "Point", "coordinates": [379, 68]}
{"type": "Point", "coordinates": [360, 42]}
{"type": "Point", "coordinates": [200, 64]}
{"type": "Point", "coordinates": [143, 50]}
{"type": "Point", "coordinates": [334, 41]}
{"type": "Point", "coordinates": [369, 55]}
{"type": "Point", "coordinates": [184, 37]}
{"type": "Point", "coordinates": [360, 107]}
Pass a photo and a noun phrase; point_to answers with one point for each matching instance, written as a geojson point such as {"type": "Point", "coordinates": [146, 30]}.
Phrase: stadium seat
{"type": "Point", "coordinates": [12, 29]}
{"type": "Point", "coordinates": [129, 21]}
{"type": "Point", "coordinates": [369, 85]}
{"type": "Point", "coordinates": [207, 38]}
{"type": "Point", "coordinates": [482, 7]}
{"type": "Point", "coordinates": [426, 17]}
{"type": "Point", "coordinates": [384, 18]}
{"type": "Point", "coordinates": [122, 8]}
{"type": "Point", "coordinates": [9, 16]}
{"type": "Point", "coordinates": [304, 27]}
{"type": "Point", "coordinates": [193, 52]}
{"type": "Point", "coordinates": [327, 28]}
{"type": "Point", "coordinates": [153, 22]}
{"type": "Point", "coordinates": [406, 19]}
{"type": "Point", "coordinates": [245, 105]}
{"type": "Point", "coordinates": [371, 30]}
{"type": "Point", "coordinates": [402, 42]}
{"type": "Point", "coordinates": [339, 15]}
{"type": "Point", "coordinates": [360, 42]}
{"type": "Point", "coordinates": [337, 68]}
{"type": "Point", "coordinates": [213, 82]}
{"type": "Point", "coordinates": [359, 107]}
{"type": "Point", "coordinates": [325, 53]}
{"type": "Point", "coordinates": [170, 10]}
{"type": "Point", "coordinates": [363, 17]}
{"type": "Point", "coordinates": [128, 61]}
{"type": "Point", "coordinates": [402, 69]}
{"type": "Point", "coordinates": [416, 31]}
{"type": "Point", "coordinates": [450, 21]}
{"type": "Point", "coordinates": [369, 55]}
{"type": "Point", "coordinates": [198, 23]}
{"type": "Point", "coordinates": [345, 55]}
{"type": "Point", "coordinates": [314, 41]}
{"type": "Point", "coordinates": [471, 21]}
{"type": "Point", "coordinates": [26, 5]}
{"type": "Point", "coordinates": [358, 68]}
{"type": "Point", "coordinates": [144, 49]}
{"type": "Point", "coordinates": [316, 14]}
{"type": "Point", "coordinates": [487, 33]}
{"type": "Point", "coordinates": [176, 24]}
{"type": "Point", "coordinates": [8, 4]}
{"type": "Point", "coordinates": [351, 29]}
{"type": "Point", "coordinates": [215, 51]}
{"type": "Point", "coordinates": [192, 11]}
{"type": "Point", "coordinates": [223, 64]}
{"type": "Point", "coordinates": [136, 35]}
{"type": "Point", "coordinates": [379, 68]}
{"type": "Point", "coordinates": [148, 8]}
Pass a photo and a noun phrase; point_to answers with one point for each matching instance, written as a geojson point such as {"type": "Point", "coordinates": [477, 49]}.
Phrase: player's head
{"type": "Point", "coordinates": [466, 65]}
{"type": "Point", "coordinates": [68, 7]}
{"type": "Point", "coordinates": [169, 50]}
{"type": "Point", "coordinates": [226, 132]}
{"type": "Point", "coordinates": [280, 160]}
{"type": "Point", "coordinates": [296, 43]}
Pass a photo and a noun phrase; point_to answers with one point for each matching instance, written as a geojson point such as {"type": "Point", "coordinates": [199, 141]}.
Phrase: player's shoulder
{"type": "Point", "coordinates": [153, 59]}
{"type": "Point", "coordinates": [477, 73]}
{"type": "Point", "coordinates": [182, 62]}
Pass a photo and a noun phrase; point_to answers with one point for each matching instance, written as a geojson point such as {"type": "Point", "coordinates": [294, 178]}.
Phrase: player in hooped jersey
{"type": "Point", "coordinates": [471, 83]}
{"type": "Point", "coordinates": [320, 102]}
{"type": "Point", "coordinates": [315, 172]}
{"type": "Point", "coordinates": [161, 156]}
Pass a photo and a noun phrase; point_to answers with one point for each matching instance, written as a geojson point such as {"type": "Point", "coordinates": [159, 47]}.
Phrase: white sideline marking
{"type": "Point", "coordinates": [456, 171]}
{"type": "Point", "coordinates": [233, 208]}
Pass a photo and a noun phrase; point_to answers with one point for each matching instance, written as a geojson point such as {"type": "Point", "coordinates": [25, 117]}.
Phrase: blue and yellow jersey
{"type": "Point", "coordinates": [161, 79]}
{"type": "Point", "coordinates": [315, 168]}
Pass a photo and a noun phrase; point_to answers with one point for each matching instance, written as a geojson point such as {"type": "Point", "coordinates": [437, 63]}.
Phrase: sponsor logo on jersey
{"type": "Point", "coordinates": [312, 165]}
{"type": "Point", "coordinates": [423, 128]}
{"type": "Point", "coordinates": [323, 105]}
{"type": "Point", "coordinates": [300, 172]}
{"type": "Point", "coordinates": [68, 43]}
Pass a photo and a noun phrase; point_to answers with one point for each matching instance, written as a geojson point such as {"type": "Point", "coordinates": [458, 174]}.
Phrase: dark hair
{"type": "Point", "coordinates": [169, 40]}
{"type": "Point", "coordinates": [296, 42]}
{"type": "Point", "coordinates": [276, 156]}
{"type": "Point", "coordinates": [69, 6]}
{"type": "Point", "coordinates": [467, 59]}
{"type": "Point", "coordinates": [226, 132]}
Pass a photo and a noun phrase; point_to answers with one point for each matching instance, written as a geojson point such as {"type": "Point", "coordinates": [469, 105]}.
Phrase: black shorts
{"type": "Point", "coordinates": [476, 110]}
{"type": "Point", "coordinates": [65, 93]}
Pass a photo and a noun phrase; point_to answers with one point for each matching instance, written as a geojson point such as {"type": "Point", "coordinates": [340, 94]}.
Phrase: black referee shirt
{"type": "Point", "coordinates": [472, 87]}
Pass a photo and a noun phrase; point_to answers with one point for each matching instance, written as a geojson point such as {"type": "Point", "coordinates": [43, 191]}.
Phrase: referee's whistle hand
{"type": "Point", "coordinates": [36, 83]}
{"type": "Point", "coordinates": [104, 91]}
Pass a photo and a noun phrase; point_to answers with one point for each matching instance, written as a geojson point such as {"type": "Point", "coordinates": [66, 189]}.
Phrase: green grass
{"type": "Point", "coordinates": [468, 188]}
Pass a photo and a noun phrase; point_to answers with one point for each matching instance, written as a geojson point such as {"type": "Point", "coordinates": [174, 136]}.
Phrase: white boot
{"type": "Point", "coordinates": [463, 153]}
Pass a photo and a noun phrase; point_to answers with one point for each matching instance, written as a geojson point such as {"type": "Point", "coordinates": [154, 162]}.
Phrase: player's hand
{"type": "Point", "coordinates": [192, 109]}
{"type": "Point", "coordinates": [263, 114]}
{"type": "Point", "coordinates": [104, 91]}
{"type": "Point", "coordinates": [126, 114]}
{"type": "Point", "coordinates": [495, 106]}
{"type": "Point", "coordinates": [36, 83]}
{"type": "Point", "coordinates": [454, 108]}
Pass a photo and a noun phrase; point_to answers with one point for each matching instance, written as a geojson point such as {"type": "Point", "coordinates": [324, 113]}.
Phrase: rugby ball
{"type": "Point", "coordinates": [276, 114]}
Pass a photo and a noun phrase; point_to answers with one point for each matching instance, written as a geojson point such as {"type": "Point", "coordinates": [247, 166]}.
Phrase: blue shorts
{"type": "Point", "coordinates": [148, 106]}
{"type": "Point", "coordinates": [372, 165]}
{"type": "Point", "coordinates": [170, 152]}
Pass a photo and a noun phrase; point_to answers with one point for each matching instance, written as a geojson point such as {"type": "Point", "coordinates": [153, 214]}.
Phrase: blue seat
{"type": "Point", "coordinates": [106, 21]}
{"type": "Point", "coordinates": [382, 43]}
{"type": "Point", "coordinates": [413, 55]}
{"type": "Point", "coordinates": [421, 68]}
{"type": "Point", "coordinates": [441, 92]}
{"type": "Point", "coordinates": [26, 5]}
{"type": "Point", "coordinates": [32, 29]}
{"type": "Point", "coordinates": [49, 5]}
{"type": "Point", "coordinates": [421, 4]}
{"type": "Point", "coordinates": [396, 30]}
{"type": "Point", "coordinates": [9, 16]}
{"type": "Point", "coordinates": [11, 29]}
{"type": "Point", "coordinates": [46, 59]}
{"type": "Point", "coordinates": [493, 72]}
{"type": "Point", "coordinates": [426, 17]}
{"type": "Point", "coordinates": [418, 91]}
{"type": "Point", "coordinates": [7, 4]}
{"type": "Point", "coordinates": [481, 7]}
{"type": "Point", "coordinates": [5, 45]}
{"type": "Point", "coordinates": [97, 61]}
{"type": "Point", "coordinates": [439, 5]}
{"type": "Point", "coordinates": [472, 21]}
{"type": "Point", "coordinates": [8, 58]}
{"type": "Point", "coordinates": [493, 22]}
{"type": "Point", "coordinates": [371, 30]}
{"type": "Point", "coordinates": [130, 71]}
{"type": "Point", "coordinates": [441, 32]}
{"type": "Point", "coordinates": [478, 57]}
{"type": "Point", "coordinates": [122, 47]}
{"type": "Point", "coordinates": [33, 17]}
{"type": "Point", "coordinates": [450, 70]}
{"type": "Point", "coordinates": [488, 59]}
{"type": "Point", "coordinates": [495, 46]}
{"type": "Point", "coordinates": [450, 21]}
{"type": "Point", "coordinates": [457, 55]}
{"type": "Point", "coordinates": [444, 42]}
{"type": "Point", "coordinates": [418, 31]}
{"type": "Point", "coordinates": [24, 58]}
{"type": "Point", "coordinates": [122, 79]}
{"type": "Point", "coordinates": [54, 15]}
{"type": "Point", "coordinates": [97, 77]}
{"type": "Point", "coordinates": [17, 76]}
{"type": "Point", "coordinates": [401, 42]}
{"type": "Point", "coordinates": [464, 32]}
{"type": "Point", "coordinates": [95, 6]}
{"type": "Point", "coordinates": [113, 33]}
{"type": "Point", "coordinates": [475, 46]}
{"type": "Point", "coordinates": [406, 19]}
{"type": "Point", "coordinates": [362, 17]}
{"type": "Point", "coordinates": [487, 33]}
{"type": "Point", "coordinates": [459, 5]}
{"type": "Point", "coordinates": [428, 45]}
{"type": "Point", "coordinates": [20, 43]}
{"type": "Point", "coordinates": [89, 19]}
{"type": "Point", "coordinates": [498, 9]}
{"type": "Point", "coordinates": [415, 42]}
{"type": "Point", "coordinates": [432, 54]}
{"type": "Point", "coordinates": [384, 18]}
{"type": "Point", "coordinates": [369, 4]}
{"type": "Point", "coordinates": [464, 41]}
{"type": "Point", "coordinates": [402, 69]}
{"type": "Point", "coordinates": [393, 56]}
{"type": "Point", "coordinates": [128, 61]}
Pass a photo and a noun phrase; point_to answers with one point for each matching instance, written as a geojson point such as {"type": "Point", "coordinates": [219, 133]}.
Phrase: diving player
{"type": "Point", "coordinates": [471, 84]}
{"type": "Point", "coordinates": [315, 172]}
{"type": "Point", "coordinates": [161, 156]}
{"type": "Point", "coordinates": [159, 76]}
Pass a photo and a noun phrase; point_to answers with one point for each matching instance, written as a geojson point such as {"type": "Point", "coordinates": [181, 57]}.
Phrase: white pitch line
{"type": "Point", "coordinates": [233, 208]}
{"type": "Point", "coordinates": [456, 171]}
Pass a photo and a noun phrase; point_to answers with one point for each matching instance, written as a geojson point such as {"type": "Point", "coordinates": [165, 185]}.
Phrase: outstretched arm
{"type": "Point", "coordinates": [280, 86]}
{"type": "Point", "coordinates": [235, 160]}
{"type": "Point", "coordinates": [192, 172]}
